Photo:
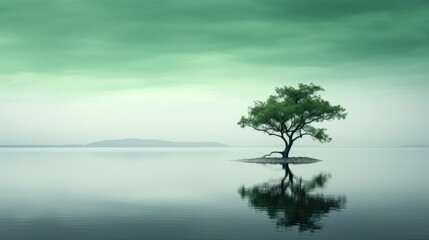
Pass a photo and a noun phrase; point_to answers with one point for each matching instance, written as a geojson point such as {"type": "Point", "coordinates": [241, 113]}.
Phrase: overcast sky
{"type": "Point", "coordinates": [76, 71]}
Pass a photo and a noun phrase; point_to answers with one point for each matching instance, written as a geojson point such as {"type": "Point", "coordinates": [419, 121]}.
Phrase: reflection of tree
{"type": "Point", "coordinates": [291, 202]}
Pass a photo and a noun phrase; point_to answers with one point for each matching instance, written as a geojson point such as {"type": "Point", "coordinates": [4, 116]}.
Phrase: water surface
{"type": "Point", "coordinates": [202, 194]}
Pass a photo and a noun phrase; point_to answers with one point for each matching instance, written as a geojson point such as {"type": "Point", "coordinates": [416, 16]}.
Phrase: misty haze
{"type": "Point", "coordinates": [215, 119]}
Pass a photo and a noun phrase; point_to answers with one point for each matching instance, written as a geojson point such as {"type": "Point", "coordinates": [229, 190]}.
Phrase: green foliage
{"type": "Point", "coordinates": [290, 113]}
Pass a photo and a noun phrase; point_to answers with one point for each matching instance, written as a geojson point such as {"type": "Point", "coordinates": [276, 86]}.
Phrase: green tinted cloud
{"type": "Point", "coordinates": [153, 40]}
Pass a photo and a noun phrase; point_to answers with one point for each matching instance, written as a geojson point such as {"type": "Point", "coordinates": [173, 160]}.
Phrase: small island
{"type": "Point", "coordinates": [272, 160]}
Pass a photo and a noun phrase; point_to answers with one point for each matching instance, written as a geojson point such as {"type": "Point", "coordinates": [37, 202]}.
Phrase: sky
{"type": "Point", "coordinates": [77, 71]}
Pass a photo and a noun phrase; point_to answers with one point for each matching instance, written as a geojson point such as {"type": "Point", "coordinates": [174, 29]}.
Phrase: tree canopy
{"type": "Point", "coordinates": [290, 113]}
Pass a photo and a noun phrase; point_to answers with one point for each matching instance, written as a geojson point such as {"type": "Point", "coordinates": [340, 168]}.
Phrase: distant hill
{"type": "Point", "coordinates": [416, 146]}
{"type": "Point", "coordinates": [130, 142]}
{"type": "Point", "coordinates": [134, 142]}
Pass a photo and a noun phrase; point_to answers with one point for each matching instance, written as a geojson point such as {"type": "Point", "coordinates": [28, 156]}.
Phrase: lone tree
{"type": "Point", "coordinates": [290, 114]}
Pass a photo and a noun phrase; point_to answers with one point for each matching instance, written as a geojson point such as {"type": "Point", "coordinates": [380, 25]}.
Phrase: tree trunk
{"type": "Point", "coordinates": [285, 153]}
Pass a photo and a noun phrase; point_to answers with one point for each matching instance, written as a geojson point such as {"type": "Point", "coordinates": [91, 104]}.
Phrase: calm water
{"type": "Point", "coordinates": [202, 194]}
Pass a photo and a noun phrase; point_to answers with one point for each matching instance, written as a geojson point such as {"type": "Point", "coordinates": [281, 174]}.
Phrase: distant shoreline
{"type": "Point", "coordinates": [125, 143]}
{"type": "Point", "coordinates": [85, 146]}
{"type": "Point", "coordinates": [157, 143]}
{"type": "Point", "coordinates": [226, 146]}
{"type": "Point", "coordinates": [415, 146]}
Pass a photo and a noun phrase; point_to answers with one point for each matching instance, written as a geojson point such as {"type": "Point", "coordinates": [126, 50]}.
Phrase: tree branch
{"type": "Point", "coordinates": [300, 135]}
{"type": "Point", "coordinates": [314, 119]}
{"type": "Point", "coordinates": [267, 132]}
{"type": "Point", "coordinates": [266, 155]}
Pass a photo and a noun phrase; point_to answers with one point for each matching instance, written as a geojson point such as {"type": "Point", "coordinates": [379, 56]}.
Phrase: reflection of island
{"type": "Point", "coordinates": [291, 202]}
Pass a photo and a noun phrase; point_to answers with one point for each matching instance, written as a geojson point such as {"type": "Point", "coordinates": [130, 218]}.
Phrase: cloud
{"type": "Point", "coordinates": [171, 42]}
